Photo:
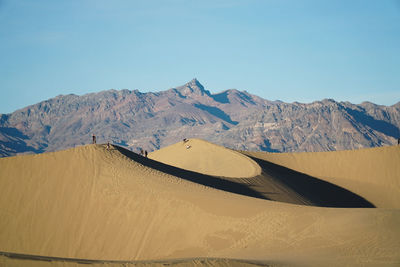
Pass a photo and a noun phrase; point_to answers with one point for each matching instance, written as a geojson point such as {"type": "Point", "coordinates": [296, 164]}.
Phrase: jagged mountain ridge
{"type": "Point", "coordinates": [232, 118]}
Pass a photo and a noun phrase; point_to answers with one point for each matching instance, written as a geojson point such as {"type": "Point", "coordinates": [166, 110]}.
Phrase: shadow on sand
{"type": "Point", "coordinates": [63, 261]}
{"type": "Point", "coordinates": [313, 190]}
{"type": "Point", "coordinates": [275, 183]}
{"type": "Point", "coordinates": [207, 180]}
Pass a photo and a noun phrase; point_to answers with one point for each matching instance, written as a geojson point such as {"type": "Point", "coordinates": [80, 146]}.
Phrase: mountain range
{"type": "Point", "coordinates": [232, 118]}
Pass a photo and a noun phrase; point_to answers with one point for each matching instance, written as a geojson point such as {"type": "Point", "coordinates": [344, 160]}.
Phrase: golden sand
{"type": "Point", "coordinates": [373, 173]}
{"type": "Point", "coordinates": [97, 204]}
{"type": "Point", "coordinates": [207, 158]}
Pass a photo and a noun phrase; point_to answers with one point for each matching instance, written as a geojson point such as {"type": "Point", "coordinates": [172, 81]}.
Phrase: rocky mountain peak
{"type": "Point", "coordinates": [194, 87]}
{"type": "Point", "coordinates": [194, 82]}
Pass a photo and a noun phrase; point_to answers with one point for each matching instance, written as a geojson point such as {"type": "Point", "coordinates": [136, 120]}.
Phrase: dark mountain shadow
{"type": "Point", "coordinates": [211, 181]}
{"type": "Point", "coordinates": [313, 190]}
{"type": "Point", "coordinates": [16, 142]}
{"type": "Point", "coordinates": [18, 146]}
{"type": "Point", "coordinates": [217, 113]}
{"type": "Point", "coordinates": [267, 147]}
{"type": "Point", "coordinates": [13, 132]}
{"type": "Point", "coordinates": [4, 118]}
{"type": "Point", "coordinates": [221, 97]}
{"type": "Point", "coordinates": [378, 125]}
{"type": "Point", "coordinates": [245, 97]}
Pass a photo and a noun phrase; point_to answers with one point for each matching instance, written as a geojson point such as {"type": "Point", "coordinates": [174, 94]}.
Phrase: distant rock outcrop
{"type": "Point", "coordinates": [232, 118]}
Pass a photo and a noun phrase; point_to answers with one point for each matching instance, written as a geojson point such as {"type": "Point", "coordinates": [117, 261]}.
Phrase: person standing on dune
{"type": "Point", "coordinates": [94, 139]}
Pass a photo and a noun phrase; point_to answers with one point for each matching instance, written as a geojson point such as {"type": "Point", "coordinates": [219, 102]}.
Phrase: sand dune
{"type": "Point", "coordinates": [97, 204]}
{"type": "Point", "coordinates": [207, 158]}
{"type": "Point", "coordinates": [270, 181]}
{"type": "Point", "coordinates": [373, 173]}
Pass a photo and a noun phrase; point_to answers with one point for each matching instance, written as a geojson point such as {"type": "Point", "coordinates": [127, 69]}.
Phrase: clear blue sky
{"type": "Point", "coordinates": [290, 50]}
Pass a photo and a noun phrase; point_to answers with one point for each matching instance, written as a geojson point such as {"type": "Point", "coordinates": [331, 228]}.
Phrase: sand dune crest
{"type": "Point", "coordinates": [207, 158]}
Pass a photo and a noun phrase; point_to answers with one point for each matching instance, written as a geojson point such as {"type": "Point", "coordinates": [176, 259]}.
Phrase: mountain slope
{"type": "Point", "coordinates": [231, 118]}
